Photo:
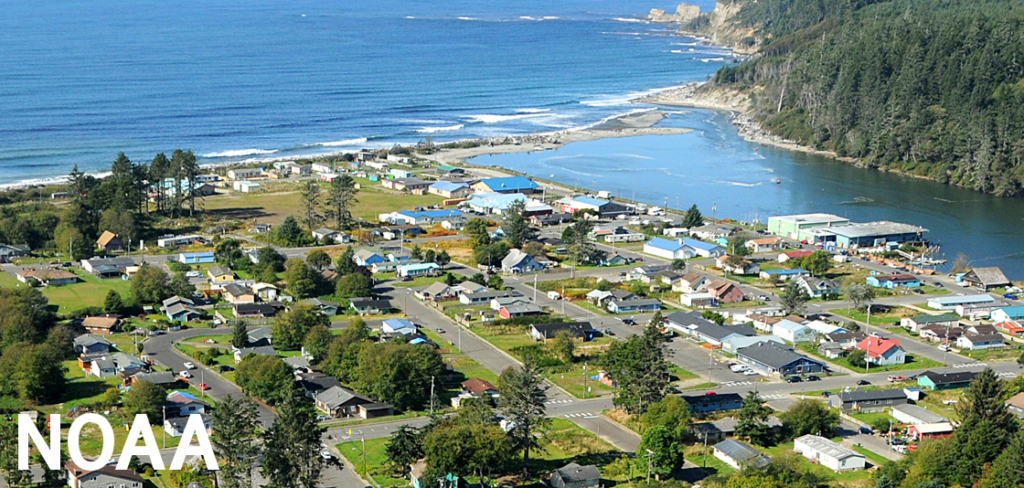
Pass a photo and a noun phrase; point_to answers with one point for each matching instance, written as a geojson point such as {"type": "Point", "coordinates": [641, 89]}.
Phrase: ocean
{"type": "Point", "coordinates": [232, 79]}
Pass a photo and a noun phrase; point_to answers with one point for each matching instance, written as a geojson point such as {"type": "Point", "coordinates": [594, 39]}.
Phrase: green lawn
{"type": "Point", "coordinates": [832, 477]}
{"type": "Point", "coordinates": [873, 458]}
{"type": "Point", "coordinates": [370, 462]}
{"type": "Point", "coordinates": [871, 418]}
{"type": "Point", "coordinates": [877, 319]}
{"type": "Point", "coordinates": [573, 381]}
{"type": "Point", "coordinates": [89, 292]}
{"type": "Point", "coordinates": [912, 362]}
{"type": "Point", "coordinates": [1010, 353]}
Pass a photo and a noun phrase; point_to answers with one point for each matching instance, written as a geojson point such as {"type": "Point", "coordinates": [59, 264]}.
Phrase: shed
{"type": "Point", "coordinates": [740, 455]}
{"type": "Point", "coordinates": [828, 454]}
{"type": "Point", "coordinates": [573, 475]}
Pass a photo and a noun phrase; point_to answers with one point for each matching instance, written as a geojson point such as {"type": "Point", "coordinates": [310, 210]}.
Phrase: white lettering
{"type": "Point", "coordinates": [27, 430]}
{"type": "Point", "coordinates": [73, 441]}
{"type": "Point", "coordinates": [194, 427]}
{"type": "Point", "coordinates": [140, 429]}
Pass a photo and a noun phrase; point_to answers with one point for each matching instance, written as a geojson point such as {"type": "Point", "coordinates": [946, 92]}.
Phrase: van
{"type": "Point", "coordinates": [554, 295]}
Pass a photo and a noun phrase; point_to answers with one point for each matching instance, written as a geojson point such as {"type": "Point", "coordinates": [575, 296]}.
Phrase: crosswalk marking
{"type": "Point", "coordinates": [773, 396]}
{"type": "Point", "coordinates": [1008, 374]}
{"type": "Point", "coordinates": [968, 365]}
{"type": "Point", "coordinates": [550, 402]}
{"type": "Point", "coordinates": [738, 383]}
{"type": "Point", "coordinates": [580, 415]}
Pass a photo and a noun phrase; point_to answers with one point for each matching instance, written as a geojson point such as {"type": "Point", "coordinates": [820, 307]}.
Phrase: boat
{"type": "Point", "coordinates": [776, 181]}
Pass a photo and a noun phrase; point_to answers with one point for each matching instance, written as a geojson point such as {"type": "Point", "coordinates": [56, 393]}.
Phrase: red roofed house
{"type": "Point", "coordinates": [1010, 328]}
{"type": "Point", "coordinates": [882, 352]}
{"type": "Point", "coordinates": [786, 256]}
{"type": "Point", "coordinates": [475, 388]}
{"type": "Point", "coordinates": [725, 292]}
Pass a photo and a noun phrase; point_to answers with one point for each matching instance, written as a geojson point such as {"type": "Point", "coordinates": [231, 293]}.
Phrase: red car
{"type": "Point", "coordinates": [203, 386]}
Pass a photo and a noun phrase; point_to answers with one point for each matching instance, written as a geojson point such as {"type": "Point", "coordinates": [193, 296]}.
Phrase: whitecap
{"type": "Point", "coordinates": [626, 19]}
{"type": "Point", "coordinates": [409, 17]}
{"type": "Point", "coordinates": [708, 60]}
{"type": "Point", "coordinates": [467, 18]}
{"type": "Point", "coordinates": [533, 110]}
{"type": "Point", "coordinates": [737, 183]}
{"type": "Point", "coordinates": [493, 119]}
{"type": "Point", "coordinates": [677, 51]}
{"type": "Point", "coordinates": [347, 142]}
{"type": "Point", "coordinates": [549, 17]}
{"type": "Point", "coordinates": [430, 130]}
{"type": "Point", "coordinates": [238, 153]}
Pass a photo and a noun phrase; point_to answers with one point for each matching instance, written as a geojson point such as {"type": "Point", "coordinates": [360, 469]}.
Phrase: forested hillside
{"type": "Point", "coordinates": [928, 87]}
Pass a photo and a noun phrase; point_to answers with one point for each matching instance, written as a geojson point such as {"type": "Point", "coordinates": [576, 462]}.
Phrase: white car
{"type": "Point", "coordinates": [750, 372]}
{"type": "Point", "coordinates": [193, 274]}
{"type": "Point", "coordinates": [326, 455]}
{"type": "Point", "coordinates": [185, 374]}
{"type": "Point", "coordinates": [189, 365]}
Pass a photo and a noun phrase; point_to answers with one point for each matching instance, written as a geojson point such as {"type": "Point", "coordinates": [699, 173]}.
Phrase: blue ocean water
{"type": "Point", "coordinates": [84, 79]}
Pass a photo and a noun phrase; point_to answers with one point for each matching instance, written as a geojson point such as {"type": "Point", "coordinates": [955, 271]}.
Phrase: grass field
{"type": "Point", "coordinates": [912, 362]}
{"type": "Point", "coordinates": [877, 319]}
{"type": "Point", "coordinates": [273, 207]}
{"type": "Point", "coordinates": [89, 292]}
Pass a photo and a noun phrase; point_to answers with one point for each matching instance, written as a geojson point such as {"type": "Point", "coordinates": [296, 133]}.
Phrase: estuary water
{"type": "Point", "coordinates": [716, 169]}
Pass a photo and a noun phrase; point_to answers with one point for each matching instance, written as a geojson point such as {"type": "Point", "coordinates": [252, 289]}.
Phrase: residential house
{"type": "Point", "coordinates": [786, 256]}
{"type": "Point", "coordinates": [90, 344]}
{"type": "Point", "coordinates": [367, 257]}
{"type": "Point", "coordinates": [259, 336]}
{"type": "Point", "coordinates": [102, 324]}
{"type": "Point", "coordinates": [436, 292]}
{"type": "Point", "coordinates": [418, 269]}
{"type": "Point", "coordinates": [698, 300]}
{"type": "Point", "coordinates": [713, 402]}
{"type": "Point", "coordinates": [573, 475]}
{"type": "Point", "coordinates": [763, 323]}
{"type": "Point", "coordinates": [180, 309]}
{"type": "Point", "coordinates": [978, 342]}
{"type": "Point", "coordinates": [183, 404]}
{"type": "Point", "coordinates": [519, 310]}
{"type": "Point", "coordinates": [110, 242]}
{"type": "Point", "coordinates": [265, 291]}
{"type": "Point", "coordinates": [260, 228]}
{"type": "Point", "coordinates": [743, 267]}
{"type": "Point", "coordinates": [329, 309]}
{"type": "Point", "coordinates": [793, 332]}
{"type": "Point", "coordinates": [415, 186]}
{"type": "Point", "coordinates": [986, 278]}
{"type": "Point", "coordinates": [781, 274]}
{"type": "Point", "coordinates": [686, 322]}
{"type": "Point", "coordinates": [913, 414]}
{"type": "Point", "coordinates": [668, 249]}
{"type": "Point", "coordinates": [235, 293]}
{"type": "Point", "coordinates": [164, 379]}
{"type": "Point", "coordinates": [642, 305]}
{"type": "Point", "coordinates": [244, 352]}
{"type": "Point", "coordinates": [824, 328]}
{"type": "Point", "coordinates": [107, 267]}
{"type": "Point", "coordinates": [419, 217]}
{"type": "Point", "coordinates": [604, 208]}
{"type": "Point", "coordinates": [1015, 405]}
{"type": "Point", "coordinates": [952, 301]}
{"type": "Point", "coordinates": [201, 257]}
{"type": "Point", "coordinates": [450, 170]}
{"type": "Point", "coordinates": [882, 352]}
{"type": "Point", "coordinates": [817, 287]}
{"type": "Point", "coordinates": [938, 333]}
{"type": "Point", "coordinates": [928, 432]}
{"type": "Point", "coordinates": [220, 274]}
{"type": "Point", "coordinates": [770, 358]}
{"type": "Point", "coordinates": [725, 292]}
{"type": "Point", "coordinates": [517, 262]}
{"type": "Point", "coordinates": [578, 330]}
{"type": "Point", "coordinates": [892, 281]}
{"type": "Point", "coordinates": [1010, 328]}
{"type": "Point", "coordinates": [9, 251]}
{"type": "Point", "coordinates": [104, 477]}
{"type": "Point", "coordinates": [512, 184]}
{"type": "Point", "coordinates": [498, 303]}
{"type": "Point", "coordinates": [718, 430]}
{"type": "Point", "coordinates": [945, 381]}
{"type": "Point", "coordinates": [485, 296]}
{"type": "Point", "coordinates": [474, 388]}
{"type": "Point", "coordinates": [323, 234]}
{"type": "Point", "coordinates": [845, 338]}
{"type": "Point", "coordinates": [831, 455]}
{"type": "Point", "coordinates": [558, 218]}
{"type": "Point", "coordinates": [182, 240]}
{"type": "Point", "coordinates": [253, 310]}
{"type": "Point", "coordinates": [714, 334]}
{"type": "Point", "coordinates": [733, 342]}
{"type": "Point", "coordinates": [338, 401]}
{"type": "Point", "coordinates": [450, 189]}
{"type": "Point", "coordinates": [763, 244]}
{"type": "Point", "coordinates": [398, 326]}
{"type": "Point", "coordinates": [867, 401]}
{"type": "Point", "coordinates": [915, 323]}
{"type": "Point", "coordinates": [46, 276]}
{"type": "Point", "coordinates": [739, 455]}
{"type": "Point", "coordinates": [370, 306]}
{"type": "Point", "coordinates": [244, 173]}
{"type": "Point", "coordinates": [831, 350]}
{"type": "Point", "coordinates": [111, 364]}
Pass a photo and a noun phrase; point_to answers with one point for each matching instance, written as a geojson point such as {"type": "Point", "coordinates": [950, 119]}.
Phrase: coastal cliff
{"type": "Point", "coordinates": [718, 25]}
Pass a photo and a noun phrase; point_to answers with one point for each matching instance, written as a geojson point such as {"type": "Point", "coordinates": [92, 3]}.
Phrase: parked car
{"type": "Point", "coordinates": [826, 394]}
{"type": "Point", "coordinates": [189, 365]}
{"type": "Point", "coordinates": [944, 347]}
{"type": "Point", "coordinates": [224, 368]}
{"type": "Point", "coordinates": [326, 455]}
{"type": "Point", "coordinates": [863, 382]}
{"type": "Point", "coordinates": [750, 372]}
{"type": "Point", "coordinates": [794, 379]}
{"type": "Point", "coordinates": [813, 378]}
{"type": "Point", "coordinates": [866, 430]}
{"type": "Point", "coordinates": [608, 332]}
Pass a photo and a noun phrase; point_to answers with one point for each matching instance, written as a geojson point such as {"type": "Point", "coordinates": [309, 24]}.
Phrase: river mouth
{"type": "Point", "coordinates": [729, 177]}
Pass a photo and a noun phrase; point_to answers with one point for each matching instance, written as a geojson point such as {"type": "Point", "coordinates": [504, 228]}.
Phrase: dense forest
{"type": "Point", "coordinates": [927, 87]}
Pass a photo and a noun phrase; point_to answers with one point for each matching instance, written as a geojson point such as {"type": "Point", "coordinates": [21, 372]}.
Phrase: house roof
{"type": "Point", "coordinates": [876, 346]}
{"type": "Point", "coordinates": [790, 326]}
{"type": "Point", "coordinates": [717, 398]}
{"type": "Point", "coordinates": [448, 186]}
{"type": "Point", "coordinates": [499, 201]}
{"type": "Point", "coordinates": [983, 338]}
{"type": "Point", "coordinates": [100, 322]}
{"type": "Point", "coordinates": [949, 378]}
{"type": "Point", "coordinates": [418, 266]}
{"type": "Point", "coordinates": [639, 302]}
{"type": "Point", "coordinates": [176, 299]}
{"type": "Point", "coordinates": [105, 238]}
{"type": "Point", "coordinates": [1016, 401]}
{"type": "Point", "coordinates": [727, 425]}
{"type": "Point", "coordinates": [577, 329]}
{"type": "Point", "coordinates": [316, 302]}
{"type": "Point", "coordinates": [573, 472]}
{"type": "Point", "coordinates": [522, 308]}
{"type": "Point", "coordinates": [990, 276]}
{"type": "Point", "coordinates": [962, 299]}
{"type": "Point", "coordinates": [478, 386]}
{"type": "Point", "coordinates": [87, 340]}
{"type": "Point", "coordinates": [738, 451]}
{"type": "Point", "coordinates": [764, 240]}
{"type": "Point", "coordinates": [314, 382]}
{"type": "Point", "coordinates": [509, 183]}
{"type": "Point", "coordinates": [701, 245]}
{"type": "Point", "coordinates": [936, 428]}
{"type": "Point", "coordinates": [179, 308]}
{"type": "Point", "coordinates": [431, 214]}
{"type": "Point", "coordinates": [739, 342]}
{"type": "Point", "coordinates": [219, 270]}
{"type": "Point", "coordinates": [199, 254]}
{"type": "Point", "coordinates": [827, 447]}
{"type": "Point", "coordinates": [337, 396]}
{"type": "Point", "coordinates": [324, 231]}
{"type": "Point", "coordinates": [254, 308]}
{"type": "Point", "coordinates": [47, 274]}
{"type": "Point", "coordinates": [259, 351]}
{"type": "Point", "coordinates": [688, 318]}
{"type": "Point", "coordinates": [108, 470]}
{"type": "Point", "coordinates": [720, 332]}
{"type": "Point", "coordinates": [597, 202]}
{"type": "Point", "coordinates": [772, 354]}
{"type": "Point", "coordinates": [514, 258]}
{"type": "Point", "coordinates": [932, 319]}
{"type": "Point", "coordinates": [920, 413]}
{"type": "Point", "coordinates": [896, 277]}
{"type": "Point", "coordinates": [665, 244]}
{"type": "Point", "coordinates": [1014, 312]}
{"type": "Point", "coordinates": [862, 395]}
{"type": "Point", "coordinates": [364, 254]}
{"type": "Point", "coordinates": [237, 290]}
{"type": "Point", "coordinates": [182, 398]}
{"type": "Point", "coordinates": [436, 289]}
{"type": "Point", "coordinates": [399, 324]}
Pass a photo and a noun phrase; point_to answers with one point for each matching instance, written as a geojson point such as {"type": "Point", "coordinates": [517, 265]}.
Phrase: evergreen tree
{"type": "Point", "coordinates": [403, 449]}
{"type": "Point", "coordinates": [516, 226]}
{"type": "Point", "coordinates": [310, 195]}
{"type": "Point", "coordinates": [340, 198]}
{"type": "Point", "coordinates": [753, 420]}
{"type": "Point", "coordinates": [235, 440]}
{"type": "Point", "coordinates": [523, 397]}
{"type": "Point", "coordinates": [240, 335]}
{"type": "Point", "coordinates": [692, 218]}
{"type": "Point", "coordinates": [346, 262]}
{"type": "Point", "coordinates": [318, 259]}
{"type": "Point", "coordinates": [793, 298]}
{"type": "Point", "coordinates": [639, 365]}
{"type": "Point", "coordinates": [113, 303]}
{"type": "Point", "coordinates": [292, 453]}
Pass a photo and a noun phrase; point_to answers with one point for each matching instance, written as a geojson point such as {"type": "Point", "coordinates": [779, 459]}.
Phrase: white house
{"type": "Point", "coordinates": [246, 186]}
{"type": "Point", "coordinates": [668, 249]}
{"type": "Point", "coordinates": [519, 262]}
{"type": "Point", "coordinates": [828, 454]}
{"type": "Point", "coordinates": [792, 331]}
{"type": "Point", "coordinates": [977, 342]}
{"type": "Point", "coordinates": [244, 173]}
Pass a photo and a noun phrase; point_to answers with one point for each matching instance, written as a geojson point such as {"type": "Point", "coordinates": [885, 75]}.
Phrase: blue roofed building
{"type": "Point", "coordinates": [704, 249]}
{"type": "Point", "coordinates": [1008, 314]}
{"type": "Point", "coordinates": [782, 274]}
{"type": "Point", "coordinates": [511, 184]}
{"type": "Point", "coordinates": [491, 202]}
{"type": "Point", "coordinates": [450, 189]}
{"type": "Point", "coordinates": [668, 249]}
{"type": "Point", "coordinates": [951, 302]}
{"type": "Point", "coordinates": [195, 257]}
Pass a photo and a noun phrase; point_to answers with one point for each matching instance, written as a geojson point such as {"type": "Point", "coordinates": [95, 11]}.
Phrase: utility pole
{"type": "Point", "coordinates": [706, 448]}
{"type": "Point", "coordinates": [650, 454]}
{"type": "Point", "coordinates": [363, 435]}
{"type": "Point", "coordinates": [164, 409]}
{"type": "Point", "coordinates": [535, 288]}
{"type": "Point", "coordinates": [584, 380]}
{"type": "Point", "coordinates": [431, 395]}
